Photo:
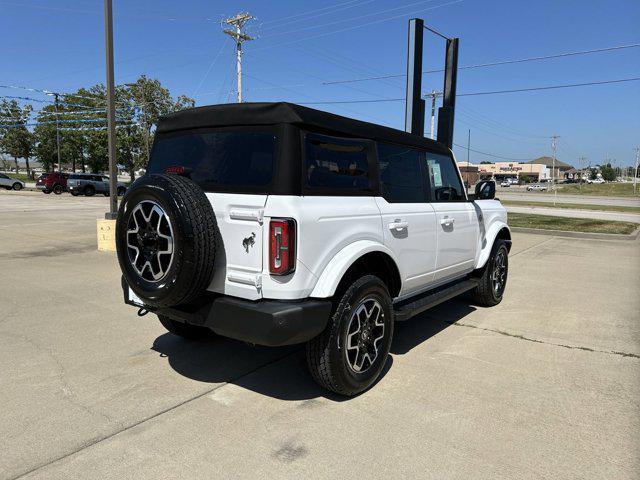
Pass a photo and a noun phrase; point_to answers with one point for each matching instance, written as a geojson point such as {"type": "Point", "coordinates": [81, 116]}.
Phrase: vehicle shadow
{"type": "Point", "coordinates": [282, 372]}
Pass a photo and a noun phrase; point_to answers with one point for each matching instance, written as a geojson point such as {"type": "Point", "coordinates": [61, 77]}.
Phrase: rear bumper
{"type": "Point", "coordinates": [263, 322]}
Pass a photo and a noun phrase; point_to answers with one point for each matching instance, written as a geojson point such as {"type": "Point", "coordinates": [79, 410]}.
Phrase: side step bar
{"type": "Point", "coordinates": [405, 310]}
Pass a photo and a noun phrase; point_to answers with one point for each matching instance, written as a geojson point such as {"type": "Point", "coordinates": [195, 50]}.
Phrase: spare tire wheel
{"type": "Point", "coordinates": [165, 239]}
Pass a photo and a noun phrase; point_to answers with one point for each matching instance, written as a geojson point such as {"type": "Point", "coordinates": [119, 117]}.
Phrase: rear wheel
{"type": "Point", "coordinates": [493, 280]}
{"type": "Point", "coordinates": [17, 186]}
{"type": "Point", "coordinates": [74, 193]}
{"type": "Point", "coordinates": [348, 357]}
{"type": "Point", "coordinates": [89, 191]}
{"type": "Point", "coordinates": [185, 330]}
{"type": "Point", "coordinates": [58, 189]}
{"type": "Point", "coordinates": [106, 194]}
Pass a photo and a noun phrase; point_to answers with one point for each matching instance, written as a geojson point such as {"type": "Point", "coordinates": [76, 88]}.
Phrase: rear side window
{"type": "Point", "coordinates": [223, 159]}
{"type": "Point", "coordinates": [337, 165]}
{"type": "Point", "coordinates": [401, 174]}
{"type": "Point", "coordinates": [444, 179]}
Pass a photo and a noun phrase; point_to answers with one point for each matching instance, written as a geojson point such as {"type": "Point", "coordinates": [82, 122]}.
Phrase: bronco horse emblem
{"type": "Point", "coordinates": [249, 242]}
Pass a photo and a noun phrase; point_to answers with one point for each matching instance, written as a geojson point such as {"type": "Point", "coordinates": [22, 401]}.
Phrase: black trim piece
{"type": "Point", "coordinates": [418, 304]}
{"type": "Point", "coordinates": [264, 322]}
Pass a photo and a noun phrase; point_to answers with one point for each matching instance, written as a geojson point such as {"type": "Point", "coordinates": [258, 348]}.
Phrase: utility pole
{"type": "Point", "coordinates": [635, 172]}
{"type": "Point", "coordinates": [582, 159]}
{"type": "Point", "coordinates": [239, 21]}
{"type": "Point", "coordinates": [55, 103]}
{"type": "Point", "coordinates": [554, 139]}
{"type": "Point", "coordinates": [468, 150]}
{"type": "Point", "coordinates": [111, 112]}
{"type": "Point", "coordinates": [433, 96]}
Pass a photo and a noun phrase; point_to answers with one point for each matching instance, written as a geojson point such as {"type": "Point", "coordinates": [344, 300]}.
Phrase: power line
{"type": "Point", "coordinates": [492, 154]}
{"type": "Point", "coordinates": [496, 63]}
{"type": "Point", "coordinates": [306, 16]}
{"type": "Point", "coordinates": [494, 92]}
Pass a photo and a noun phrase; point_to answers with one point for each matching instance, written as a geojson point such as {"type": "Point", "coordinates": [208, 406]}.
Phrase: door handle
{"type": "Point", "coordinates": [447, 221]}
{"type": "Point", "coordinates": [398, 225]}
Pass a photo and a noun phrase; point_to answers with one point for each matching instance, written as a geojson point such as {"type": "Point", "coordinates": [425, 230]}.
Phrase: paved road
{"type": "Point", "coordinates": [523, 196]}
{"type": "Point", "coordinates": [546, 385]}
{"type": "Point", "coordinates": [572, 213]}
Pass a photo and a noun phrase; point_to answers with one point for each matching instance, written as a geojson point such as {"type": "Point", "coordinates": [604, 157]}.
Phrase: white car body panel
{"type": "Point", "coordinates": [410, 231]}
{"type": "Point", "coordinates": [334, 232]}
{"type": "Point", "coordinates": [457, 224]}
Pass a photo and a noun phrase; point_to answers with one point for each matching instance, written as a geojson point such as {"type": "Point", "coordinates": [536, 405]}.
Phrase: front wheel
{"type": "Point", "coordinates": [348, 357]}
{"type": "Point", "coordinates": [89, 191]}
{"type": "Point", "coordinates": [17, 186]}
{"type": "Point", "coordinates": [58, 189]}
{"type": "Point", "coordinates": [185, 330]}
{"type": "Point", "coordinates": [493, 280]}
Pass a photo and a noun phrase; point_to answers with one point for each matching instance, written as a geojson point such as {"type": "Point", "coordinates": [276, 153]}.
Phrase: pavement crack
{"type": "Point", "coordinates": [536, 340]}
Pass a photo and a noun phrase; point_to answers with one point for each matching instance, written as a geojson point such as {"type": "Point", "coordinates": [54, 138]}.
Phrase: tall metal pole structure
{"type": "Point", "coordinates": [414, 108]}
{"type": "Point", "coordinates": [468, 150]}
{"type": "Point", "coordinates": [554, 139]}
{"type": "Point", "coordinates": [582, 159]}
{"type": "Point", "coordinates": [635, 172]}
{"type": "Point", "coordinates": [55, 103]}
{"type": "Point", "coordinates": [111, 112]}
{"type": "Point", "coordinates": [239, 36]}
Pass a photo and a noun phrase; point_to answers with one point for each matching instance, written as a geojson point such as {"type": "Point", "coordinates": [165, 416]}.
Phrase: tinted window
{"type": "Point", "coordinates": [221, 158]}
{"type": "Point", "coordinates": [335, 163]}
{"type": "Point", "coordinates": [443, 176]}
{"type": "Point", "coordinates": [2, 175]}
{"type": "Point", "coordinates": [400, 173]}
{"type": "Point", "coordinates": [75, 177]}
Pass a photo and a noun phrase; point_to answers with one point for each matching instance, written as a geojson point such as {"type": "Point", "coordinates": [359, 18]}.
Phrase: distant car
{"type": "Point", "coordinates": [10, 183]}
{"type": "Point", "coordinates": [596, 180]}
{"type": "Point", "coordinates": [536, 187]}
{"type": "Point", "coordinates": [506, 183]}
{"type": "Point", "coordinates": [89, 184]}
{"type": "Point", "coordinates": [55, 182]}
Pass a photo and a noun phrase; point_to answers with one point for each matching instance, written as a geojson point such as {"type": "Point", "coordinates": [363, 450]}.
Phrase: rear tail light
{"type": "Point", "coordinates": [282, 246]}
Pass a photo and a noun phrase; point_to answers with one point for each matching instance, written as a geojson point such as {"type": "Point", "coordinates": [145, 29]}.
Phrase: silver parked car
{"type": "Point", "coordinates": [536, 187]}
{"type": "Point", "coordinates": [10, 183]}
{"type": "Point", "coordinates": [91, 183]}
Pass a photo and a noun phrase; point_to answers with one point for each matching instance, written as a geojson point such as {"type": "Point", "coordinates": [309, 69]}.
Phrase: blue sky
{"type": "Point", "coordinates": [58, 45]}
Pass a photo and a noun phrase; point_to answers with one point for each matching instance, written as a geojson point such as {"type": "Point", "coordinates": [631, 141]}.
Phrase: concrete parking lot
{"type": "Point", "coordinates": [545, 385]}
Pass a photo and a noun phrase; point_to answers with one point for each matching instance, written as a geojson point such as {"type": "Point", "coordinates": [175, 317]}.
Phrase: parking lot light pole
{"type": "Point", "coordinates": [111, 112]}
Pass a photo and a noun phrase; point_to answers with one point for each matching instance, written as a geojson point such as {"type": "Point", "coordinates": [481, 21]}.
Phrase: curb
{"type": "Point", "coordinates": [563, 233]}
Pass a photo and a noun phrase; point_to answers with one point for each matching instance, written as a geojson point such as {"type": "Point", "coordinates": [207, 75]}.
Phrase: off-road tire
{"type": "Point", "coordinates": [485, 294]}
{"type": "Point", "coordinates": [194, 231]}
{"type": "Point", "coordinates": [74, 193]}
{"type": "Point", "coordinates": [89, 191]}
{"type": "Point", "coordinates": [57, 189]}
{"type": "Point", "coordinates": [326, 357]}
{"type": "Point", "coordinates": [46, 192]}
{"type": "Point", "coordinates": [17, 186]}
{"type": "Point", "coordinates": [185, 330]}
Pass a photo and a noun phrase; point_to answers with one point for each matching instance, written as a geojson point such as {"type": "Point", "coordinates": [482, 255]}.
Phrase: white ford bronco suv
{"type": "Point", "coordinates": [278, 224]}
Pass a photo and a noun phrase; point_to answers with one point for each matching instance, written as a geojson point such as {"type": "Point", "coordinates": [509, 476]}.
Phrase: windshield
{"type": "Point", "coordinates": [222, 159]}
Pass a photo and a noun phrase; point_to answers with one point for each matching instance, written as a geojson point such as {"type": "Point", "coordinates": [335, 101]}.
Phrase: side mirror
{"type": "Point", "coordinates": [485, 190]}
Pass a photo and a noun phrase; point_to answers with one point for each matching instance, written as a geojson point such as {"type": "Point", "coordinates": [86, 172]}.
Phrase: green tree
{"type": "Point", "coordinates": [16, 139]}
{"type": "Point", "coordinates": [593, 173]}
{"type": "Point", "coordinates": [608, 173]}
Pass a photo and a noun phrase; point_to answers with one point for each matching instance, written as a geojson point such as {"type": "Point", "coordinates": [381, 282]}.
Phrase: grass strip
{"type": "Point", "coordinates": [587, 225]}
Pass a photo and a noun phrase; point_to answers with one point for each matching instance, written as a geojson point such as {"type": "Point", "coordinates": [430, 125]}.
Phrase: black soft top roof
{"type": "Point", "coordinates": [273, 113]}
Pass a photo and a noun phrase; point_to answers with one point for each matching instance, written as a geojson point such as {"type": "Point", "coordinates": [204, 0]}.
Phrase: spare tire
{"type": "Point", "coordinates": [165, 239]}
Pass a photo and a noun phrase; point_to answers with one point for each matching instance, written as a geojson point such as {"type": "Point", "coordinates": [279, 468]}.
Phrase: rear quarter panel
{"type": "Point", "coordinates": [325, 226]}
